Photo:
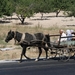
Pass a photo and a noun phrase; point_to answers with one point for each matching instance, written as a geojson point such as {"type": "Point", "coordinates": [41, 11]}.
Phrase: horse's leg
{"type": "Point", "coordinates": [40, 51]}
{"type": "Point", "coordinates": [24, 53]}
{"type": "Point", "coordinates": [46, 50]}
{"type": "Point", "coordinates": [21, 55]}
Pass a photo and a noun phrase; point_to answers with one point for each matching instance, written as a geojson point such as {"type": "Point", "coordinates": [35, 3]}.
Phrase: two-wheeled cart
{"type": "Point", "coordinates": [65, 49]}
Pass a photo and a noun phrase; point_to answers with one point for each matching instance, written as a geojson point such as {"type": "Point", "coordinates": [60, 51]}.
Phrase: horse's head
{"type": "Point", "coordinates": [10, 35]}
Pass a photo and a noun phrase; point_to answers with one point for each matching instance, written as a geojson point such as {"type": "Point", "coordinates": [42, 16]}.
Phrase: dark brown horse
{"type": "Point", "coordinates": [26, 40]}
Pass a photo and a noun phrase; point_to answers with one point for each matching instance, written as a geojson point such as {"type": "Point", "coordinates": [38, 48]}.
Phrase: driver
{"type": "Point", "coordinates": [62, 35]}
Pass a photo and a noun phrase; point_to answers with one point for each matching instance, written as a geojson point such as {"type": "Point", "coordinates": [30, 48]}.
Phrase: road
{"type": "Point", "coordinates": [42, 67]}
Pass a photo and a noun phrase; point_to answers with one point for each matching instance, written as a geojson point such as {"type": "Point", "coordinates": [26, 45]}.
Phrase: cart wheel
{"type": "Point", "coordinates": [74, 56]}
{"type": "Point", "coordinates": [64, 54]}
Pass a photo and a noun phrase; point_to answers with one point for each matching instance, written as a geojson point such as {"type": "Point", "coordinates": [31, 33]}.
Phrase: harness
{"type": "Point", "coordinates": [24, 41]}
{"type": "Point", "coordinates": [22, 38]}
{"type": "Point", "coordinates": [14, 37]}
{"type": "Point", "coordinates": [44, 41]}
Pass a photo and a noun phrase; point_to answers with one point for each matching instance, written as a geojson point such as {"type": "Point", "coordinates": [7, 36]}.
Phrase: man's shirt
{"type": "Point", "coordinates": [63, 39]}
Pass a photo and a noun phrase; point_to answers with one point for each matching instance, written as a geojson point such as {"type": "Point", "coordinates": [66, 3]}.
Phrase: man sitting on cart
{"type": "Point", "coordinates": [62, 35]}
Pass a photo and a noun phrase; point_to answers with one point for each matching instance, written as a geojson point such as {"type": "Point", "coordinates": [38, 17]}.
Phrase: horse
{"type": "Point", "coordinates": [26, 40]}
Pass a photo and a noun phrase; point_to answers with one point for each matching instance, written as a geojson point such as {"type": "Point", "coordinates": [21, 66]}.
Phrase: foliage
{"type": "Point", "coordinates": [72, 8]}
{"type": "Point", "coordinates": [24, 8]}
{"type": "Point", "coordinates": [6, 7]}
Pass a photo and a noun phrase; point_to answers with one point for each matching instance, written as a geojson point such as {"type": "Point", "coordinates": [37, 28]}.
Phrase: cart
{"type": "Point", "coordinates": [64, 50]}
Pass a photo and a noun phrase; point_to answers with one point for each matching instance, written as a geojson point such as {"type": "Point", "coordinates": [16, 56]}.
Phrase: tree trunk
{"type": "Point", "coordinates": [41, 16]}
{"type": "Point", "coordinates": [21, 18]}
{"type": "Point", "coordinates": [57, 12]}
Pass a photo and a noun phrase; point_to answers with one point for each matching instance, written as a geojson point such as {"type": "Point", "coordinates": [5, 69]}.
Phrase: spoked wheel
{"type": "Point", "coordinates": [74, 56]}
{"type": "Point", "coordinates": [64, 54]}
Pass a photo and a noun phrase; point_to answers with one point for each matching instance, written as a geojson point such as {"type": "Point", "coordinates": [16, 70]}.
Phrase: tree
{"type": "Point", "coordinates": [6, 7]}
{"type": "Point", "coordinates": [42, 6]}
{"type": "Point", "coordinates": [71, 10]}
{"type": "Point", "coordinates": [65, 5]}
{"type": "Point", "coordinates": [24, 8]}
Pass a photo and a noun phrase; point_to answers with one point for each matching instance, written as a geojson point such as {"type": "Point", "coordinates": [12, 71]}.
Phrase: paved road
{"type": "Point", "coordinates": [48, 67]}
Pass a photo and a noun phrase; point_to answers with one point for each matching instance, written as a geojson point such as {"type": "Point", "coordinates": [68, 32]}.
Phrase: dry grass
{"type": "Point", "coordinates": [33, 52]}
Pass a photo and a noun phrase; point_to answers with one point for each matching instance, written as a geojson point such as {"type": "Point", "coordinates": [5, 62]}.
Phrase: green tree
{"type": "Point", "coordinates": [71, 10]}
{"type": "Point", "coordinates": [6, 7]}
{"type": "Point", "coordinates": [24, 8]}
{"type": "Point", "coordinates": [42, 6]}
{"type": "Point", "coordinates": [65, 5]}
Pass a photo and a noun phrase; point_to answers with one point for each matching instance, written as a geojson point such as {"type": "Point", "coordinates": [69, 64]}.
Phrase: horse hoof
{"type": "Point", "coordinates": [20, 61]}
{"type": "Point", "coordinates": [36, 59]}
{"type": "Point", "coordinates": [48, 58]}
{"type": "Point", "coordinates": [28, 58]}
